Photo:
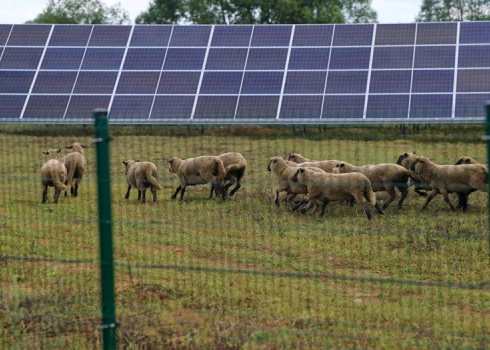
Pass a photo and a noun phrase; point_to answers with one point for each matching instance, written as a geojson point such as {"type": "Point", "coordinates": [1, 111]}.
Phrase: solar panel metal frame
{"type": "Point", "coordinates": [259, 44]}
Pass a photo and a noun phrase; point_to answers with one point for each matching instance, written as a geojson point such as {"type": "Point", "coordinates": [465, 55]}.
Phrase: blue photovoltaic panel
{"type": "Point", "coordinates": [103, 59]}
{"type": "Point", "coordinates": [20, 58]}
{"type": "Point", "coordinates": [95, 83]}
{"type": "Point", "coordinates": [262, 83]}
{"type": "Point", "coordinates": [267, 59]}
{"type": "Point", "coordinates": [474, 56]}
{"type": "Point", "coordinates": [131, 107]}
{"type": "Point", "coordinates": [433, 81]}
{"type": "Point", "coordinates": [52, 82]}
{"type": "Point", "coordinates": [221, 83]}
{"type": "Point", "coordinates": [390, 81]}
{"type": "Point", "coordinates": [388, 57]}
{"type": "Point", "coordinates": [435, 56]}
{"type": "Point", "coordinates": [353, 35]}
{"type": "Point", "coordinates": [179, 83]}
{"type": "Point", "coordinates": [184, 59]}
{"type": "Point", "coordinates": [15, 82]}
{"type": "Point", "coordinates": [470, 105]}
{"type": "Point", "coordinates": [82, 106]}
{"type": "Point", "coordinates": [226, 59]}
{"type": "Point", "coordinates": [436, 33]}
{"type": "Point", "coordinates": [4, 33]}
{"type": "Point", "coordinates": [309, 58]}
{"type": "Point", "coordinates": [299, 107]}
{"type": "Point", "coordinates": [137, 82]}
{"type": "Point", "coordinates": [190, 36]}
{"type": "Point", "coordinates": [257, 107]}
{"type": "Point", "coordinates": [474, 33]}
{"type": "Point", "coordinates": [231, 35]}
{"type": "Point", "coordinates": [350, 58]}
{"type": "Point", "coordinates": [266, 35]}
{"type": "Point", "coordinates": [46, 106]}
{"type": "Point", "coordinates": [304, 82]}
{"type": "Point", "coordinates": [387, 106]}
{"type": "Point", "coordinates": [473, 80]}
{"type": "Point", "coordinates": [172, 107]}
{"type": "Point", "coordinates": [70, 35]}
{"type": "Point", "coordinates": [347, 82]}
{"type": "Point", "coordinates": [144, 59]}
{"type": "Point", "coordinates": [395, 34]}
{"type": "Point", "coordinates": [109, 35]}
{"type": "Point", "coordinates": [313, 35]}
{"type": "Point", "coordinates": [61, 58]}
{"type": "Point", "coordinates": [343, 107]}
{"type": "Point", "coordinates": [215, 107]}
{"type": "Point", "coordinates": [12, 106]}
{"type": "Point", "coordinates": [431, 106]}
{"type": "Point", "coordinates": [29, 35]}
{"type": "Point", "coordinates": [150, 35]}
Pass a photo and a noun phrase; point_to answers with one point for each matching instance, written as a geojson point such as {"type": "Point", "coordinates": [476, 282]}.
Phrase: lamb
{"type": "Point", "coordinates": [53, 174]}
{"type": "Point", "coordinates": [76, 166]}
{"type": "Point", "coordinates": [285, 170]}
{"type": "Point", "coordinates": [383, 177]}
{"type": "Point", "coordinates": [460, 179]}
{"type": "Point", "coordinates": [142, 175]}
{"type": "Point", "coordinates": [235, 165]}
{"type": "Point", "coordinates": [405, 160]}
{"type": "Point", "coordinates": [329, 187]}
{"type": "Point", "coordinates": [326, 165]}
{"type": "Point", "coordinates": [198, 171]}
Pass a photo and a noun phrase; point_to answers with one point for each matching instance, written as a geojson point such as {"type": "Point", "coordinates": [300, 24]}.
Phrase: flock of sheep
{"type": "Point", "coordinates": [321, 182]}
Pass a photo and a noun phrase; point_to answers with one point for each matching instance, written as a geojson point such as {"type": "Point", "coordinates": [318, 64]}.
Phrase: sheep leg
{"type": "Point", "coordinates": [213, 189]}
{"type": "Point", "coordinates": [404, 192]}
{"type": "Point", "coordinates": [307, 207]}
{"type": "Point", "coordinates": [446, 199]}
{"type": "Point", "coordinates": [127, 193]}
{"type": "Point", "coordinates": [154, 193]}
{"type": "Point", "coordinates": [45, 194]}
{"type": "Point", "coordinates": [237, 187]}
{"type": "Point", "coordinates": [366, 210]}
{"type": "Point", "coordinates": [176, 192]}
{"type": "Point", "coordinates": [57, 193]}
{"type": "Point", "coordinates": [300, 203]}
{"type": "Point", "coordinates": [391, 198]}
{"type": "Point", "coordinates": [139, 195]}
{"type": "Point", "coordinates": [77, 183]}
{"type": "Point", "coordinates": [431, 196]}
{"type": "Point", "coordinates": [279, 188]}
{"type": "Point", "coordinates": [182, 191]}
{"type": "Point", "coordinates": [462, 201]}
{"type": "Point", "coordinates": [322, 208]}
{"type": "Point", "coordinates": [143, 196]}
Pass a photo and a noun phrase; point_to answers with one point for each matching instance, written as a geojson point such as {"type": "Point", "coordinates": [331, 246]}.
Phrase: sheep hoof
{"type": "Point", "coordinates": [173, 197]}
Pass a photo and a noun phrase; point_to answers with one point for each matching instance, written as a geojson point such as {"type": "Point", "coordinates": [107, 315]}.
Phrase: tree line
{"type": "Point", "coordinates": [252, 12]}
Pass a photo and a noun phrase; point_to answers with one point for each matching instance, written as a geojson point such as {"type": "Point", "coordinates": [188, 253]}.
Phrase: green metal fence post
{"type": "Point", "coordinates": [101, 140]}
{"type": "Point", "coordinates": [487, 140]}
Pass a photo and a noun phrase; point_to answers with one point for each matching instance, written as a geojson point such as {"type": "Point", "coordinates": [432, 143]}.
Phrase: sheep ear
{"type": "Point", "coordinates": [137, 160]}
{"type": "Point", "coordinates": [301, 170]}
{"type": "Point", "coordinates": [69, 147]}
{"type": "Point", "coordinates": [83, 146]}
{"type": "Point", "coordinates": [342, 165]}
{"type": "Point", "coordinates": [59, 150]}
{"type": "Point", "coordinates": [169, 161]}
{"type": "Point", "coordinates": [406, 154]}
{"type": "Point", "coordinates": [45, 152]}
{"type": "Point", "coordinates": [125, 163]}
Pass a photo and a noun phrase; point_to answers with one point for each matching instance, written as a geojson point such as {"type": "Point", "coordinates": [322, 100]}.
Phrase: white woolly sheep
{"type": "Point", "coordinates": [76, 166]}
{"type": "Point", "coordinates": [53, 174]}
{"type": "Point", "coordinates": [460, 179]}
{"type": "Point", "coordinates": [142, 175]}
{"type": "Point", "coordinates": [198, 171]}
{"type": "Point", "coordinates": [383, 177]}
{"type": "Point", "coordinates": [329, 187]}
{"type": "Point", "coordinates": [235, 165]}
{"type": "Point", "coordinates": [326, 165]}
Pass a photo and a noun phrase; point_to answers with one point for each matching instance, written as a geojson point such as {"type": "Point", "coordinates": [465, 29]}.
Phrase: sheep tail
{"type": "Point", "coordinates": [219, 169]}
{"type": "Point", "coordinates": [369, 194]}
{"type": "Point", "coordinates": [56, 181]}
{"type": "Point", "coordinates": [71, 172]}
{"type": "Point", "coordinates": [151, 178]}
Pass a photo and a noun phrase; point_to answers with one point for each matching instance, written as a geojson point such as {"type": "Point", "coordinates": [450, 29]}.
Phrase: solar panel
{"type": "Point", "coordinates": [245, 73]}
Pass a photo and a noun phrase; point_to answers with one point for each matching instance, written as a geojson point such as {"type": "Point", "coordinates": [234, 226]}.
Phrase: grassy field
{"type": "Point", "coordinates": [204, 274]}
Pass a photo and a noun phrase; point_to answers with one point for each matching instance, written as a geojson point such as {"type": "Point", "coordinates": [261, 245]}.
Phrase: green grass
{"type": "Point", "coordinates": [242, 274]}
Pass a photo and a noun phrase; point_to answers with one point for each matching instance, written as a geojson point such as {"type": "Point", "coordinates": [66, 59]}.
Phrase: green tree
{"type": "Point", "coordinates": [257, 11]}
{"type": "Point", "coordinates": [81, 12]}
{"type": "Point", "coordinates": [454, 10]}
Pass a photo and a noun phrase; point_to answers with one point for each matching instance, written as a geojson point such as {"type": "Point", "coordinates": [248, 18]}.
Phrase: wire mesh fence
{"type": "Point", "coordinates": [242, 273]}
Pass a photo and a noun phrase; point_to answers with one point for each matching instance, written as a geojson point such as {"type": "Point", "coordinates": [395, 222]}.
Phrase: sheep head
{"type": "Point", "coordinates": [298, 175]}
{"type": "Point", "coordinates": [52, 153]}
{"type": "Point", "coordinates": [77, 147]}
{"type": "Point", "coordinates": [466, 160]}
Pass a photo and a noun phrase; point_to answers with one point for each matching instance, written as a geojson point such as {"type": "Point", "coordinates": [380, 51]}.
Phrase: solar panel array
{"type": "Point", "coordinates": [245, 74]}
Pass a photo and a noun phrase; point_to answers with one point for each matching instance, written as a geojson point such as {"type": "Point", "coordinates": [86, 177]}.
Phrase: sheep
{"type": "Point", "coordinates": [405, 160]}
{"type": "Point", "coordinates": [466, 160]}
{"type": "Point", "coordinates": [329, 187]}
{"type": "Point", "coordinates": [383, 177]}
{"type": "Point", "coordinates": [198, 171]}
{"type": "Point", "coordinates": [142, 175]}
{"type": "Point", "coordinates": [326, 165]}
{"type": "Point", "coordinates": [460, 179]}
{"type": "Point", "coordinates": [76, 166]}
{"type": "Point", "coordinates": [284, 170]}
{"type": "Point", "coordinates": [53, 174]}
{"type": "Point", "coordinates": [235, 165]}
